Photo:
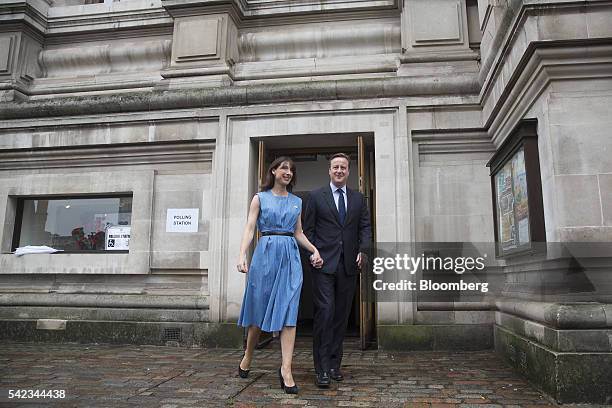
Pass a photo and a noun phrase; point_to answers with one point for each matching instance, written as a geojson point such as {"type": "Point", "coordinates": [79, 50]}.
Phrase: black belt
{"type": "Point", "coordinates": [285, 234]}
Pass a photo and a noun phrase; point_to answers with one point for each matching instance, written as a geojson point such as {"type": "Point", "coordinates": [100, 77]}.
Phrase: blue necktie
{"type": "Point", "coordinates": [341, 207]}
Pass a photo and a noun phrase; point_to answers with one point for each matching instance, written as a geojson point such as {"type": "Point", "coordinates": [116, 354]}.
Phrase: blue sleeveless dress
{"type": "Point", "coordinates": [274, 280]}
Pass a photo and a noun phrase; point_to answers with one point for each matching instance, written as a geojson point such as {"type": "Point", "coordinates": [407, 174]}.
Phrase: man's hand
{"type": "Point", "coordinates": [316, 261]}
{"type": "Point", "coordinates": [361, 259]}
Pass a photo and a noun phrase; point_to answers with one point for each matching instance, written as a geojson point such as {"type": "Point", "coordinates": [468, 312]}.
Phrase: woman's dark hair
{"type": "Point", "coordinates": [269, 180]}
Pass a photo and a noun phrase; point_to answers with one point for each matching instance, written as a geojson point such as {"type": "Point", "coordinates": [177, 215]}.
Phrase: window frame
{"type": "Point", "coordinates": [19, 216]}
{"type": "Point", "coordinates": [524, 136]}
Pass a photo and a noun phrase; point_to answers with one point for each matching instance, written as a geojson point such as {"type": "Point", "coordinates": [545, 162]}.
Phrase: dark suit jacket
{"type": "Point", "coordinates": [323, 229]}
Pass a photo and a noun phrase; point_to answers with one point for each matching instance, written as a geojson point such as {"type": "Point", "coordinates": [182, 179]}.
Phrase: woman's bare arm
{"type": "Point", "coordinates": [247, 235]}
{"type": "Point", "coordinates": [301, 238]}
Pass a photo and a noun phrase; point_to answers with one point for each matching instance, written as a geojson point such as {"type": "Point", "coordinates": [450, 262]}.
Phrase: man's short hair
{"type": "Point", "coordinates": [342, 155]}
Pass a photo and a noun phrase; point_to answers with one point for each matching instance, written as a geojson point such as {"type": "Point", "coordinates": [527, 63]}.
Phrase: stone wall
{"type": "Point", "coordinates": [168, 99]}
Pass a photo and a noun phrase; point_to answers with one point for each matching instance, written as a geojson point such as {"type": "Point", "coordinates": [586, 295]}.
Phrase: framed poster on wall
{"type": "Point", "coordinates": [517, 192]}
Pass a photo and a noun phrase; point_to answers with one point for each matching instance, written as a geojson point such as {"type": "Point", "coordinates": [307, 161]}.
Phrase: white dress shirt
{"type": "Point", "coordinates": [337, 195]}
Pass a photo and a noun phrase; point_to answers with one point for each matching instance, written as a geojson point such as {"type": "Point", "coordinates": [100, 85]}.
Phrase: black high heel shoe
{"type": "Point", "coordinates": [288, 390]}
{"type": "Point", "coordinates": [242, 373]}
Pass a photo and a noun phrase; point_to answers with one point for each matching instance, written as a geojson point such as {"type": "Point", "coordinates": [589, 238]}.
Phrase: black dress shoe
{"type": "Point", "coordinates": [322, 380]}
{"type": "Point", "coordinates": [288, 390]}
{"type": "Point", "coordinates": [336, 374]}
{"type": "Point", "coordinates": [243, 373]}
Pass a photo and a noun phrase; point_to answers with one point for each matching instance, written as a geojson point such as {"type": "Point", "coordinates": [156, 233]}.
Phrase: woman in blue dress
{"type": "Point", "coordinates": [274, 278]}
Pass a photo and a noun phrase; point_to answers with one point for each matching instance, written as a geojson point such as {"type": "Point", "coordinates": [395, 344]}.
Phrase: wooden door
{"type": "Point", "coordinates": [367, 305]}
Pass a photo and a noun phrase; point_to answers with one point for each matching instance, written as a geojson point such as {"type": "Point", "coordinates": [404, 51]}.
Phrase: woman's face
{"type": "Point", "coordinates": [283, 174]}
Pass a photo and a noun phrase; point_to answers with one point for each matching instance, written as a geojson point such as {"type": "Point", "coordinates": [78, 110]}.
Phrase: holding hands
{"type": "Point", "coordinates": [316, 260]}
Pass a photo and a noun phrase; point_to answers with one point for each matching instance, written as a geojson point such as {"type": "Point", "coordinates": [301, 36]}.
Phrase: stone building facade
{"type": "Point", "coordinates": [177, 104]}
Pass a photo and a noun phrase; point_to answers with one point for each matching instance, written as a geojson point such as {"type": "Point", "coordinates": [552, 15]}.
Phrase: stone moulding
{"type": "Point", "coordinates": [104, 314]}
{"type": "Point", "coordinates": [32, 13]}
{"type": "Point", "coordinates": [313, 41]}
{"type": "Point", "coordinates": [104, 300]}
{"type": "Point", "coordinates": [443, 141]}
{"type": "Point", "coordinates": [542, 63]}
{"type": "Point", "coordinates": [265, 8]}
{"type": "Point", "coordinates": [316, 67]}
{"type": "Point", "coordinates": [241, 95]}
{"type": "Point", "coordinates": [529, 45]}
{"type": "Point", "coordinates": [436, 56]}
{"type": "Point", "coordinates": [100, 18]}
{"type": "Point", "coordinates": [96, 155]}
{"type": "Point", "coordinates": [559, 340]}
{"type": "Point", "coordinates": [560, 315]}
{"type": "Point", "coordinates": [132, 57]}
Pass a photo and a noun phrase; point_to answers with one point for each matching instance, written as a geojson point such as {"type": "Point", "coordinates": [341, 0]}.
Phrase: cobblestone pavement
{"type": "Point", "coordinates": [152, 376]}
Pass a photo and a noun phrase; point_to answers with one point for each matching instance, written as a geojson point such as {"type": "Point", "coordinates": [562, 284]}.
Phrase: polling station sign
{"type": "Point", "coordinates": [182, 219]}
{"type": "Point", "coordinates": [118, 238]}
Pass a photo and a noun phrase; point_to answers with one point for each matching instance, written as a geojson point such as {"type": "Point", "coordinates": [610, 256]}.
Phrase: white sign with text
{"type": "Point", "coordinates": [118, 238]}
{"type": "Point", "coordinates": [182, 220]}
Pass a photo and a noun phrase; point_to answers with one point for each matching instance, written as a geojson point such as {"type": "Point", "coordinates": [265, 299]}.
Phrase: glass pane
{"type": "Point", "coordinates": [505, 205]}
{"type": "Point", "coordinates": [521, 209]}
{"type": "Point", "coordinates": [512, 203]}
{"type": "Point", "coordinates": [74, 224]}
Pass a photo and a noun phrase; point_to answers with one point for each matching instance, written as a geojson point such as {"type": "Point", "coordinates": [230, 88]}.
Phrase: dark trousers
{"type": "Point", "coordinates": [333, 299]}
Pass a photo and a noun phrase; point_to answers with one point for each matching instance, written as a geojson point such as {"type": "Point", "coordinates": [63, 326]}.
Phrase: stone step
{"type": "Point", "coordinates": [104, 314]}
{"type": "Point", "coordinates": [189, 334]}
{"type": "Point", "coordinates": [105, 300]}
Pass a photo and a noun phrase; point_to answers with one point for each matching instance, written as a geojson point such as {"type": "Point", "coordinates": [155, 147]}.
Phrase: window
{"type": "Point", "coordinates": [74, 224]}
{"type": "Point", "coordinates": [517, 192]}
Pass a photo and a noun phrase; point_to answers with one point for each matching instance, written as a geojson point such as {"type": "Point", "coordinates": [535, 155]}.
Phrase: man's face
{"type": "Point", "coordinates": [339, 171]}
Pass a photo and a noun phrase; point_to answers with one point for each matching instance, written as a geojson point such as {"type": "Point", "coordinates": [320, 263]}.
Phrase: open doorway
{"type": "Point", "coordinates": [311, 154]}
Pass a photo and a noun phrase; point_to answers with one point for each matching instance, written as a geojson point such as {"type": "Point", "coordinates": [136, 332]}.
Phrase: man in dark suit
{"type": "Point", "coordinates": [337, 222]}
